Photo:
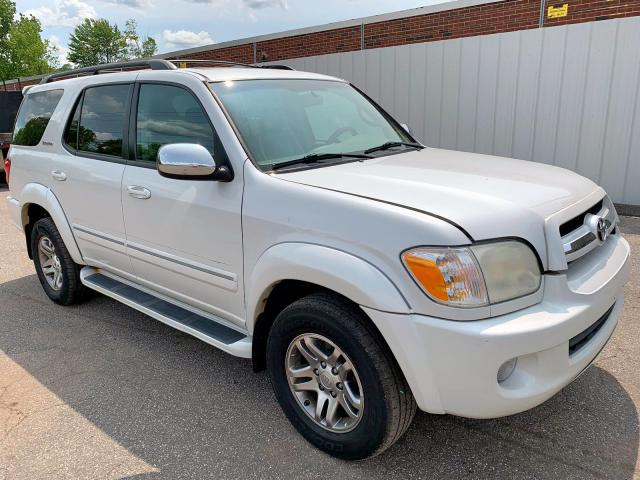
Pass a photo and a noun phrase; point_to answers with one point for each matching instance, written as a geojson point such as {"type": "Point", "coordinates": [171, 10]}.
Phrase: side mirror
{"type": "Point", "coordinates": [407, 128]}
{"type": "Point", "coordinates": [189, 161]}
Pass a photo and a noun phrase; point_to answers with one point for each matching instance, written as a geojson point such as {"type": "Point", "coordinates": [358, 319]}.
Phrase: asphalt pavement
{"type": "Point", "coordinates": [100, 391]}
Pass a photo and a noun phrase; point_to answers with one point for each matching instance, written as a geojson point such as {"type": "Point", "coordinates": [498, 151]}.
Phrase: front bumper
{"type": "Point", "coordinates": [452, 366]}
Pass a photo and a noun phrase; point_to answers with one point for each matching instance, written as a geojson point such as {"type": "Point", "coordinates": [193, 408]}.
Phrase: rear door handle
{"type": "Point", "coordinates": [58, 175]}
{"type": "Point", "coordinates": [137, 191]}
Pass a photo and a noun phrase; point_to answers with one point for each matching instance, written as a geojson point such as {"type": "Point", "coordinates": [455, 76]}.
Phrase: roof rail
{"type": "Point", "coordinates": [276, 67]}
{"type": "Point", "coordinates": [183, 62]}
{"type": "Point", "coordinates": [153, 64]}
{"type": "Point", "coordinates": [187, 61]}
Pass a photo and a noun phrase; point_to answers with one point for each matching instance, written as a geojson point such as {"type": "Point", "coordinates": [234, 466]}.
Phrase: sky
{"type": "Point", "coordinates": [179, 24]}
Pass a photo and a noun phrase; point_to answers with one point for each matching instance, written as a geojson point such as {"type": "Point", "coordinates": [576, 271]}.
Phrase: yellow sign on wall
{"type": "Point", "coordinates": [557, 12]}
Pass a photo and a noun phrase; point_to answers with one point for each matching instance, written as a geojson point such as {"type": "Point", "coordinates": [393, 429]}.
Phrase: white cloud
{"type": "Point", "coordinates": [61, 50]}
{"type": "Point", "coordinates": [185, 39]}
{"type": "Point", "coordinates": [137, 4]}
{"type": "Point", "coordinates": [258, 4]}
{"type": "Point", "coordinates": [252, 4]}
{"type": "Point", "coordinates": [63, 13]}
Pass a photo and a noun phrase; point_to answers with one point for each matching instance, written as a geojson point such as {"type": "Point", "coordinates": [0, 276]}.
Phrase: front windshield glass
{"type": "Point", "coordinates": [283, 120]}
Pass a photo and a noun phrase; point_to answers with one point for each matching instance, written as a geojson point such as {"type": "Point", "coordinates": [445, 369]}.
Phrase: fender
{"type": "Point", "coordinates": [351, 276]}
{"type": "Point", "coordinates": [35, 193]}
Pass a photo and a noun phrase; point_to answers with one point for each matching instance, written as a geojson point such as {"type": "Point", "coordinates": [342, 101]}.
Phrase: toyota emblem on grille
{"type": "Point", "coordinates": [601, 229]}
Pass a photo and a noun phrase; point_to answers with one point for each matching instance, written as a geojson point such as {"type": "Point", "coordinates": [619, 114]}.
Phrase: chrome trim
{"type": "Point", "coordinates": [185, 160]}
{"type": "Point", "coordinates": [579, 243]}
{"type": "Point", "coordinates": [95, 234]}
{"type": "Point", "coordinates": [137, 191]}
{"type": "Point", "coordinates": [211, 271]}
{"type": "Point", "coordinates": [588, 236]}
{"type": "Point", "coordinates": [227, 276]}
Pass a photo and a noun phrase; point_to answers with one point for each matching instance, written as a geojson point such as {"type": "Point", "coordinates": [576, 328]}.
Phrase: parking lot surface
{"type": "Point", "coordinates": [101, 391]}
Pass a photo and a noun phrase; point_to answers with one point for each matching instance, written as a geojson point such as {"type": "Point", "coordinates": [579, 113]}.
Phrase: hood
{"type": "Point", "coordinates": [486, 196]}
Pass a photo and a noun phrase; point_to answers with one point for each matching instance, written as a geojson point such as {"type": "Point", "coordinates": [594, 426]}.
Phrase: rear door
{"type": "Point", "coordinates": [184, 237]}
{"type": "Point", "coordinates": [86, 175]}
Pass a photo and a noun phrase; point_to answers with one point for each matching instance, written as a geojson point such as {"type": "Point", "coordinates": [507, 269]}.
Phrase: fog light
{"type": "Point", "coordinates": [506, 369]}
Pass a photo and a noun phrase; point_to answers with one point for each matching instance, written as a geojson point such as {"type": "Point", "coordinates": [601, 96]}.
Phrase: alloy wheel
{"type": "Point", "coordinates": [50, 263]}
{"type": "Point", "coordinates": [324, 382]}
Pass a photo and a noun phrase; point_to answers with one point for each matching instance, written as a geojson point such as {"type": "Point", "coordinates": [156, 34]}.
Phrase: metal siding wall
{"type": "Point", "coordinates": [567, 96]}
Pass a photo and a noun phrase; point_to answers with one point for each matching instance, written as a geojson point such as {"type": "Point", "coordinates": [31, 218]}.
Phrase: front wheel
{"type": "Point", "coordinates": [336, 380]}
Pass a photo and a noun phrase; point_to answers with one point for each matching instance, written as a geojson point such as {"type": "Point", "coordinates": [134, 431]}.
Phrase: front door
{"type": "Point", "coordinates": [184, 237]}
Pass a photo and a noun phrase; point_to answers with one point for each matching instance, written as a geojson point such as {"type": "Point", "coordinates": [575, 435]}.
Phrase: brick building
{"type": "Point", "coordinates": [458, 19]}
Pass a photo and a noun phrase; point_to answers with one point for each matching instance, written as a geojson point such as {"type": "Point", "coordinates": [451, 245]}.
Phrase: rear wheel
{"type": "Point", "coordinates": [336, 380]}
{"type": "Point", "coordinates": [59, 275]}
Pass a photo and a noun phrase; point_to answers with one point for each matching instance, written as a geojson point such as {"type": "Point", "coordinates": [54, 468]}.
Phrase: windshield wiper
{"type": "Point", "coordinates": [317, 157]}
{"type": "Point", "coordinates": [388, 145]}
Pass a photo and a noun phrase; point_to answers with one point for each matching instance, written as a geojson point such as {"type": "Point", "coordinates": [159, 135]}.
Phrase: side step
{"type": "Point", "coordinates": [204, 328]}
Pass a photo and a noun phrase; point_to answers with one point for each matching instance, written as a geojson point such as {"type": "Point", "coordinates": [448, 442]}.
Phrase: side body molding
{"type": "Point", "coordinates": [35, 193]}
{"type": "Point", "coordinates": [334, 269]}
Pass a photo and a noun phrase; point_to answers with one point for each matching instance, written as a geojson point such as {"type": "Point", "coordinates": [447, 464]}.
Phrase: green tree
{"type": "Point", "coordinates": [23, 52]}
{"type": "Point", "coordinates": [98, 41]}
{"type": "Point", "coordinates": [137, 46]}
{"type": "Point", "coordinates": [7, 12]}
{"type": "Point", "coordinates": [32, 132]}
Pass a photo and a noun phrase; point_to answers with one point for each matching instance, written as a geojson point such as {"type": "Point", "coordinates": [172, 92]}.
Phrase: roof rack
{"type": "Point", "coordinates": [153, 64]}
{"type": "Point", "coordinates": [187, 61]}
{"type": "Point", "coordinates": [276, 67]}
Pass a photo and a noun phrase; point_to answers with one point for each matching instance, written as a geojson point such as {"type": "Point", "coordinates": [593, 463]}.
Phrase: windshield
{"type": "Point", "coordinates": [283, 120]}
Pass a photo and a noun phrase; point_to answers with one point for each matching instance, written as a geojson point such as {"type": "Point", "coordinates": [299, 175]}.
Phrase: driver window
{"type": "Point", "coordinates": [170, 114]}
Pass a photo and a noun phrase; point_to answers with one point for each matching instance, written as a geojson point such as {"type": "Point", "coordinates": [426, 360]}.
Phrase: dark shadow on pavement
{"type": "Point", "coordinates": [193, 411]}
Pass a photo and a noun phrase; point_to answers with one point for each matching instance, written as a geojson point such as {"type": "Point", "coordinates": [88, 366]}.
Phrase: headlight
{"type": "Point", "coordinates": [475, 276]}
{"type": "Point", "coordinates": [510, 269]}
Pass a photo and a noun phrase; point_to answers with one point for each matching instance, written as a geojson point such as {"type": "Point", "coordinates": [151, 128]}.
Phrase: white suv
{"type": "Point", "coordinates": [283, 216]}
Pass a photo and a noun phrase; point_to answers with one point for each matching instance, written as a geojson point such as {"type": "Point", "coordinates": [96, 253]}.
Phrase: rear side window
{"type": "Point", "coordinates": [34, 115]}
{"type": "Point", "coordinates": [169, 114]}
{"type": "Point", "coordinates": [98, 121]}
{"type": "Point", "coordinates": [71, 135]}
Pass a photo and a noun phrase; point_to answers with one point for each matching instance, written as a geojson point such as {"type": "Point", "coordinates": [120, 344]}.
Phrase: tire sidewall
{"type": "Point", "coordinates": [366, 437]}
{"type": "Point", "coordinates": [42, 228]}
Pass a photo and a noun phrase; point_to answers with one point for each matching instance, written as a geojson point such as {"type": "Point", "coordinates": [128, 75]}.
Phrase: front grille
{"type": "Point", "coordinates": [580, 340]}
{"type": "Point", "coordinates": [583, 233]}
{"type": "Point", "coordinates": [576, 222]}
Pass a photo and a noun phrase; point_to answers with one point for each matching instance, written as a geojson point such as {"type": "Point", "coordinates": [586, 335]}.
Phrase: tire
{"type": "Point", "coordinates": [66, 288]}
{"type": "Point", "coordinates": [321, 322]}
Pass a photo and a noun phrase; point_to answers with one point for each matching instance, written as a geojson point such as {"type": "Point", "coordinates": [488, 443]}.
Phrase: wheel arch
{"type": "Point", "coordinates": [289, 271]}
{"type": "Point", "coordinates": [38, 201]}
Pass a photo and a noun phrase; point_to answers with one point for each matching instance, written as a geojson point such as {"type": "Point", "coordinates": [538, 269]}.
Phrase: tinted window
{"type": "Point", "coordinates": [168, 114]}
{"type": "Point", "coordinates": [102, 119]}
{"type": "Point", "coordinates": [34, 115]}
{"type": "Point", "coordinates": [71, 135]}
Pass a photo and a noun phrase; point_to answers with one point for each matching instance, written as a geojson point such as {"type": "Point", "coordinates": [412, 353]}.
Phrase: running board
{"type": "Point", "coordinates": [204, 328]}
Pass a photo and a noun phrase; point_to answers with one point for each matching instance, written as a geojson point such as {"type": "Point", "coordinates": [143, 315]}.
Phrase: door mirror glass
{"type": "Point", "coordinates": [185, 160]}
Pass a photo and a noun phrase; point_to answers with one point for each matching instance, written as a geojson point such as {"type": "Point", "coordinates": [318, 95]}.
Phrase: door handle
{"type": "Point", "coordinates": [139, 192]}
{"type": "Point", "coordinates": [58, 175]}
